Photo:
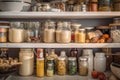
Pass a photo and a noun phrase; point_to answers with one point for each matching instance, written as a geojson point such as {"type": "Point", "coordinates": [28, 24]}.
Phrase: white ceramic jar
{"type": "Point", "coordinates": [100, 62]}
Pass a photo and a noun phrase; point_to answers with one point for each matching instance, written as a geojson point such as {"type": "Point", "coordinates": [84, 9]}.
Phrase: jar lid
{"type": "Point", "coordinates": [116, 24]}
{"type": "Point", "coordinates": [99, 54]}
{"type": "Point", "coordinates": [89, 28]}
{"type": "Point", "coordinates": [102, 27]}
{"type": "Point", "coordinates": [50, 58]}
{"type": "Point", "coordinates": [87, 52]}
{"type": "Point", "coordinates": [23, 49]}
{"type": "Point", "coordinates": [72, 58]}
{"type": "Point", "coordinates": [40, 59]}
{"type": "Point", "coordinates": [61, 58]}
{"type": "Point", "coordinates": [82, 29]}
{"type": "Point", "coordinates": [83, 58]}
{"type": "Point", "coordinates": [62, 53]}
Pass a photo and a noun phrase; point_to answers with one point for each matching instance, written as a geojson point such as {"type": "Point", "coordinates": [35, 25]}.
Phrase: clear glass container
{"type": "Point", "coordinates": [61, 67]}
{"type": "Point", "coordinates": [26, 56]}
{"type": "Point", "coordinates": [63, 33]}
{"type": "Point", "coordinates": [72, 65]}
{"type": "Point", "coordinates": [83, 66]}
{"type": "Point", "coordinates": [50, 67]}
{"type": "Point", "coordinates": [49, 32]}
{"type": "Point", "coordinates": [100, 62]}
{"type": "Point", "coordinates": [74, 52]}
{"type": "Point", "coordinates": [40, 67]}
{"type": "Point", "coordinates": [16, 32]}
{"type": "Point", "coordinates": [115, 32]}
{"type": "Point", "coordinates": [70, 5]}
{"type": "Point", "coordinates": [3, 34]}
{"type": "Point", "coordinates": [80, 35]}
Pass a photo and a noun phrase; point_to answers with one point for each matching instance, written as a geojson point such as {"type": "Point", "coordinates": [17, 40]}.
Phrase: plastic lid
{"type": "Point", "coordinates": [72, 58]}
{"type": "Point", "coordinates": [63, 53]}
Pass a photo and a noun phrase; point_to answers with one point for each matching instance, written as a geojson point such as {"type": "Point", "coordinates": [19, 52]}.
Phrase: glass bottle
{"type": "Point", "coordinates": [72, 65]}
{"type": "Point", "coordinates": [26, 56]}
{"type": "Point", "coordinates": [83, 66]}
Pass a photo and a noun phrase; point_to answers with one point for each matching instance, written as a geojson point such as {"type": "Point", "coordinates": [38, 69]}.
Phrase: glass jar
{"type": "Point", "coordinates": [26, 56]}
{"type": "Point", "coordinates": [72, 65]}
{"type": "Point", "coordinates": [100, 62]}
{"type": "Point", "coordinates": [74, 52]}
{"type": "Point", "coordinates": [50, 67]}
{"type": "Point", "coordinates": [105, 5]}
{"type": "Point", "coordinates": [40, 67]}
{"type": "Point", "coordinates": [115, 32]}
{"type": "Point", "coordinates": [80, 35]}
{"type": "Point", "coordinates": [116, 20]}
{"type": "Point", "coordinates": [77, 7]}
{"type": "Point", "coordinates": [61, 67]}
{"type": "Point", "coordinates": [63, 34]}
{"type": "Point", "coordinates": [3, 34]}
{"type": "Point", "coordinates": [16, 32]}
{"type": "Point", "coordinates": [83, 66]}
{"type": "Point", "coordinates": [49, 32]}
{"type": "Point", "coordinates": [116, 6]}
{"type": "Point", "coordinates": [70, 5]}
{"type": "Point", "coordinates": [44, 7]}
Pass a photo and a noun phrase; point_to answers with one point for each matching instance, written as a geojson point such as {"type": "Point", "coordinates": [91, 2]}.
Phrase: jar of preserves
{"type": "Point", "coordinates": [26, 56]}
{"type": "Point", "coordinates": [80, 35]}
{"type": "Point", "coordinates": [49, 32]}
{"type": "Point", "coordinates": [63, 34]}
{"type": "Point", "coordinates": [40, 67]}
{"type": "Point", "coordinates": [72, 65]}
{"type": "Point", "coordinates": [100, 62]}
{"type": "Point", "coordinates": [16, 32]}
{"type": "Point", "coordinates": [61, 67]}
{"type": "Point", "coordinates": [50, 67]}
{"type": "Point", "coordinates": [115, 31]}
{"type": "Point", "coordinates": [83, 66]}
{"type": "Point", "coordinates": [3, 34]}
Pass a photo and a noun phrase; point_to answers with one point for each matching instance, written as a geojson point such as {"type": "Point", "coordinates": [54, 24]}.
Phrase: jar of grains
{"type": "Point", "coordinates": [80, 35]}
{"type": "Point", "coordinates": [63, 33]}
{"type": "Point", "coordinates": [61, 67]}
{"type": "Point", "coordinates": [49, 32]}
{"type": "Point", "coordinates": [72, 65]}
{"type": "Point", "coordinates": [83, 66]}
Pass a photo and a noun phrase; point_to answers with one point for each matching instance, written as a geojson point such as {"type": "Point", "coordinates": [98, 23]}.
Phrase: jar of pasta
{"type": "Point", "coordinates": [80, 35]}
{"type": "Point", "coordinates": [72, 65]}
{"type": "Point", "coordinates": [49, 32]}
{"type": "Point", "coordinates": [61, 67]}
{"type": "Point", "coordinates": [83, 66]}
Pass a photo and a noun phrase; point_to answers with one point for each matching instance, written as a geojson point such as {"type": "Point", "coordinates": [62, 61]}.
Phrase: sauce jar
{"type": "Point", "coordinates": [3, 34]}
{"type": "Point", "coordinates": [72, 65]}
{"type": "Point", "coordinates": [50, 67]}
{"type": "Point", "coordinates": [40, 67]}
{"type": "Point", "coordinates": [26, 56]}
{"type": "Point", "coordinates": [49, 32]}
{"type": "Point", "coordinates": [61, 67]}
{"type": "Point", "coordinates": [83, 66]}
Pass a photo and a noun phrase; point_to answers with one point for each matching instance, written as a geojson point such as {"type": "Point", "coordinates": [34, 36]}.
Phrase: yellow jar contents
{"type": "Point", "coordinates": [40, 67]}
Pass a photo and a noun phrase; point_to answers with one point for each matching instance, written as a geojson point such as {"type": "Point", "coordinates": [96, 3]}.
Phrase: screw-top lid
{"type": "Point", "coordinates": [50, 58]}
{"type": "Point", "coordinates": [83, 58]}
{"type": "Point", "coordinates": [72, 58]}
{"type": "Point", "coordinates": [63, 53]}
{"type": "Point", "coordinates": [61, 58]}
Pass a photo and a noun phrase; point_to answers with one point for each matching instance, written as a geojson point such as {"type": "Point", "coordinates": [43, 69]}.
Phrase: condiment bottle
{"type": "Point", "coordinates": [74, 52]}
{"type": "Point", "coordinates": [100, 62]}
{"type": "Point", "coordinates": [40, 53]}
{"type": "Point", "coordinates": [72, 65]}
{"type": "Point", "coordinates": [26, 56]}
{"type": "Point", "coordinates": [83, 66]}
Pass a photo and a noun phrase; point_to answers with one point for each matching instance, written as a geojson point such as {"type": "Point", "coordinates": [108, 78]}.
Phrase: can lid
{"type": "Point", "coordinates": [72, 58]}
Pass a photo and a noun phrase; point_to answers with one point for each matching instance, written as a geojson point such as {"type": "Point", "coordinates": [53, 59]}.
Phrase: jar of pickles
{"type": "Point", "coordinates": [61, 67]}
{"type": "Point", "coordinates": [83, 66]}
{"type": "Point", "coordinates": [50, 67]}
{"type": "Point", "coordinates": [72, 65]}
{"type": "Point", "coordinates": [80, 35]}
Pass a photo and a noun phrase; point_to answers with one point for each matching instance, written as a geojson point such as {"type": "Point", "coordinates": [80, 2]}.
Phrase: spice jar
{"type": "Point", "coordinates": [83, 66]}
{"type": "Point", "coordinates": [93, 5]}
{"type": "Point", "coordinates": [61, 67]}
{"type": "Point", "coordinates": [100, 62]}
{"type": "Point", "coordinates": [63, 33]}
{"type": "Point", "coordinates": [80, 35]}
{"type": "Point", "coordinates": [16, 32]}
{"type": "Point", "coordinates": [3, 34]}
{"type": "Point", "coordinates": [26, 56]}
{"type": "Point", "coordinates": [115, 32]}
{"type": "Point", "coordinates": [49, 32]}
{"type": "Point", "coordinates": [40, 67]}
{"type": "Point", "coordinates": [72, 65]}
{"type": "Point", "coordinates": [50, 67]}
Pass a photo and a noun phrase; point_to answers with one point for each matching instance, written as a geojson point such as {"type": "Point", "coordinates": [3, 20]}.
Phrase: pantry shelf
{"type": "Point", "coordinates": [59, 45]}
{"type": "Point", "coordinates": [60, 15]}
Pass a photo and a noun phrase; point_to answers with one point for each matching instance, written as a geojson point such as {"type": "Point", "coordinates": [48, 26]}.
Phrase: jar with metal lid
{"type": "Point", "coordinates": [80, 35]}
{"type": "Point", "coordinates": [3, 34]}
{"type": "Point", "coordinates": [40, 67]}
{"type": "Point", "coordinates": [100, 62]}
{"type": "Point", "coordinates": [50, 67]}
{"type": "Point", "coordinates": [83, 66]}
{"type": "Point", "coordinates": [61, 67]}
{"type": "Point", "coordinates": [72, 65]}
{"type": "Point", "coordinates": [115, 32]}
{"type": "Point", "coordinates": [26, 56]}
{"type": "Point", "coordinates": [49, 32]}
{"type": "Point", "coordinates": [105, 5]}
{"type": "Point", "coordinates": [63, 33]}
{"type": "Point", "coordinates": [16, 32]}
